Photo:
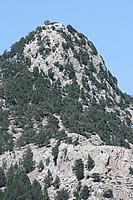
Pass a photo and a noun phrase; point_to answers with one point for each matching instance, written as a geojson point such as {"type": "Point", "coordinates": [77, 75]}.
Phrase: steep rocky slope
{"type": "Point", "coordinates": [57, 96]}
{"type": "Point", "coordinates": [111, 170]}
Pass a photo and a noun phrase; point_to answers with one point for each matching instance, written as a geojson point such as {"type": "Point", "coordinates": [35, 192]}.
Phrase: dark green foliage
{"type": "Point", "coordinates": [6, 140]}
{"type": "Point", "coordinates": [71, 29]}
{"type": "Point", "coordinates": [47, 22]}
{"type": "Point", "coordinates": [79, 186]}
{"type": "Point", "coordinates": [72, 114]}
{"type": "Point", "coordinates": [60, 135]}
{"type": "Point", "coordinates": [51, 74]}
{"type": "Point", "coordinates": [65, 46]}
{"type": "Point", "coordinates": [46, 99]}
{"type": "Point", "coordinates": [76, 195]}
{"type": "Point", "coordinates": [41, 49]}
{"type": "Point", "coordinates": [68, 39]}
{"type": "Point", "coordinates": [91, 67]}
{"type": "Point", "coordinates": [85, 193]}
{"type": "Point", "coordinates": [76, 141]}
{"type": "Point", "coordinates": [10, 175]}
{"type": "Point", "coordinates": [73, 91]}
{"type": "Point", "coordinates": [40, 166]}
{"type": "Point", "coordinates": [2, 195]}
{"type": "Point", "coordinates": [69, 140]}
{"type": "Point", "coordinates": [93, 47]}
{"type": "Point", "coordinates": [26, 138]}
{"type": "Point", "coordinates": [112, 80]}
{"type": "Point", "coordinates": [84, 57]}
{"type": "Point", "coordinates": [36, 191]}
{"type": "Point", "coordinates": [81, 40]}
{"type": "Point", "coordinates": [18, 185]}
{"type": "Point", "coordinates": [62, 195]}
{"type": "Point", "coordinates": [108, 193]}
{"type": "Point", "coordinates": [77, 55]}
{"type": "Point", "coordinates": [28, 163]}
{"type": "Point", "coordinates": [96, 177]}
{"type": "Point", "coordinates": [18, 93]}
{"type": "Point", "coordinates": [32, 97]}
{"type": "Point", "coordinates": [56, 182]}
{"type": "Point", "coordinates": [78, 169]}
{"type": "Point", "coordinates": [48, 179]}
{"type": "Point", "coordinates": [45, 194]}
{"type": "Point", "coordinates": [55, 152]}
{"type": "Point", "coordinates": [18, 47]}
{"type": "Point", "coordinates": [131, 170]}
{"type": "Point", "coordinates": [38, 29]}
{"type": "Point", "coordinates": [2, 178]}
{"type": "Point", "coordinates": [47, 161]}
{"type": "Point", "coordinates": [44, 136]}
{"type": "Point", "coordinates": [90, 163]}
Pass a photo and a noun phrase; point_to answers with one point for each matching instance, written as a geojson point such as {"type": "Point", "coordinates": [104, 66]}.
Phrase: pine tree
{"type": "Point", "coordinates": [48, 179]}
{"type": "Point", "coordinates": [2, 178]}
{"type": "Point", "coordinates": [18, 185]}
{"type": "Point", "coordinates": [90, 163]}
{"type": "Point", "coordinates": [79, 169]}
{"type": "Point", "coordinates": [2, 195]}
{"type": "Point", "coordinates": [55, 152]}
{"type": "Point", "coordinates": [28, 163]}
{"type": "Point", "coordinates": [40, 166]}
{"type": "Point", "coordinates": [36, 191]}
{"type": "Point", "coordinates": [45, 194]}
{"type": "Point", "coordinates": [85, 193]}
{"type": "Point", "coordinates": [56, 182]}
{"type": "Point", "coordinates": [62, 195]}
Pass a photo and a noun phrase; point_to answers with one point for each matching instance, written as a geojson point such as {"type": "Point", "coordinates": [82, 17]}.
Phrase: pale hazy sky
{"type": "Point", "coordinates": [107, 23]}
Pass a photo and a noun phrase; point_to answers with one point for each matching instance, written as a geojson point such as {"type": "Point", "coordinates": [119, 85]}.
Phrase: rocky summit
{"type": "Point", "coordinates": [66, 129]}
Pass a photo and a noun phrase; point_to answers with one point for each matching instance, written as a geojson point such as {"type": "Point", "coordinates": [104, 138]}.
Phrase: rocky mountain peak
{"type": "Point", "coordinates": [55, 46]}
{"type": "Point", "coordinates": [62, 107]}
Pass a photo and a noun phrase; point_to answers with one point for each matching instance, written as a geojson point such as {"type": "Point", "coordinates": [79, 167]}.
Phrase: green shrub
{"type": "Point", "coordinates": [108, 193]}
{"type": "Point", "coordinates": [40, 166]}
{"type": "Point", "coordinates": [48, 179]}
{"type": "Point", "coordinates": [96, 177]}
{"type": "Point", "coordinates": [71, 29]}
{"type": "Point", "coordinates": [93, 47]}
{"type": "Point", "coordinates": [45, 194]}
{"type": "Point", "coordinates": [90, 163]}
{"type": "Point", "coordinates": [28, 163]}
{"type": "Point", "coordinates": [2, 178]}
{"type": "Point", "coordinates": [85, 193]}
{"type": "Point", "coordinates": [62, 195]}
{"type": "Point", "coordinates": [36, 191]}
{"type": "Point", "coordinates": [131, 170]}
{"type": "Point", "coordinates": [55, 152]}
{"type": "Point", "coordinates": [56, 182]}
{"type": "Point", "coordinates": [78, 169]}
{"type": "Point", "coordinates": [2, 195]}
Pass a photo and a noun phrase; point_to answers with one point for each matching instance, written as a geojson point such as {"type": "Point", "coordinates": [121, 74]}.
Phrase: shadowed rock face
{"type": "Point", "coordinates": [57, 96]}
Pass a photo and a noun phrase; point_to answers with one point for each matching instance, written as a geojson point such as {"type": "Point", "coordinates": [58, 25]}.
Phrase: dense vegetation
{"type": "Point", "coordinates": [29, 98]}
{"type": "Point", "coordinates": [18, 187]}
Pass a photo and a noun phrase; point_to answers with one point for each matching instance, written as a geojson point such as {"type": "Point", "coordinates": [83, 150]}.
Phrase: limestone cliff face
{"type": "Point", "coordinates": [110, 171]}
